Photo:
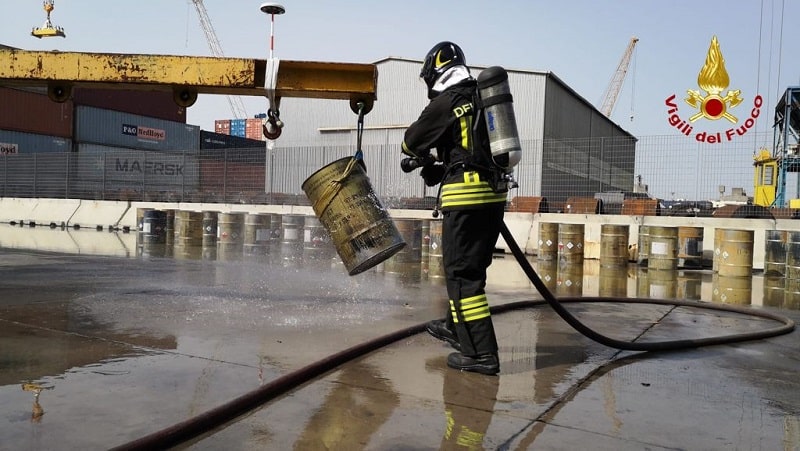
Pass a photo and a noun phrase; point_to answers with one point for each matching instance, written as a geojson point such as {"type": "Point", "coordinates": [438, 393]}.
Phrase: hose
{"type": "Point", "coordinates": [195, 427]}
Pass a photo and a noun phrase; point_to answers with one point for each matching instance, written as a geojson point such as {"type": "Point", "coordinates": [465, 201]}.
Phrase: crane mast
{"type": "Point", "coordinates": [615, 85]}
{"type": "Point", "coordinates": [237, 106]}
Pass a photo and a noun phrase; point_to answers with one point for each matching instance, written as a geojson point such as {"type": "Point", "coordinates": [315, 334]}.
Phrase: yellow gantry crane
{"type": "Point", "coordinates": [617, 79]}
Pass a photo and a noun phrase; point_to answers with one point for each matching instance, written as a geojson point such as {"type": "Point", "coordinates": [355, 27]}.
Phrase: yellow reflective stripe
{"type": "Point", "coordinates": [453, 311]}
{"type": "Point", "coordinates": [465, 128]}
{"type": "Point", "coordinates": [472, 308]}
{"type": "Point", "coordinates": [472, 199]}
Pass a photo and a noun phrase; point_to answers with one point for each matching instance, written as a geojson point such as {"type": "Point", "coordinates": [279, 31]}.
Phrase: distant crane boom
{"type": "Point", "coordinates": [615, 85]}
{"type": "Point", "coordinates": [237, 107]}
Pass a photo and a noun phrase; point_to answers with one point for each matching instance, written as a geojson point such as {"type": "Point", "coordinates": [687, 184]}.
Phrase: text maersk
{"type": "Point", "coordinates": [149, 167]}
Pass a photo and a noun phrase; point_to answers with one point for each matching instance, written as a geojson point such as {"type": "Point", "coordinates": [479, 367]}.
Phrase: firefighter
{"type": "Point", "coordinates": [471, 206]}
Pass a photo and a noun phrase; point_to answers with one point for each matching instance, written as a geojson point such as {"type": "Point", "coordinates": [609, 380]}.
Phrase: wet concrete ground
{"type": "Point", "coordinates": [100, 350]}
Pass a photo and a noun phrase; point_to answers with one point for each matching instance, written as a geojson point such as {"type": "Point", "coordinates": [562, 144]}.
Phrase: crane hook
{"type": "Point", "coordinates": [273, 131]}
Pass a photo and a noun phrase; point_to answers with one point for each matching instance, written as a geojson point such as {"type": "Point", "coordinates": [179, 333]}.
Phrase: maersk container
{"type": "Point", "coordinates": [14, 142]}
{"type": "Point", "coordinates": [107, 168]}
{"type": "Point", "coordinates": [119, 129]}
{"type": "Point", "coordinates": [30, 111]}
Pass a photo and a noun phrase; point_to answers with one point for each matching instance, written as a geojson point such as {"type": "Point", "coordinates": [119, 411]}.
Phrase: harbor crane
{"type": "Point", "coordinates": [236, 104]}
{"type": "Point", "coordinates": [615, 85]}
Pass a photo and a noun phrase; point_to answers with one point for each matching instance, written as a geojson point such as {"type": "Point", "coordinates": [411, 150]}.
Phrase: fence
{"type": "Point", "coordinates": [672, 167]}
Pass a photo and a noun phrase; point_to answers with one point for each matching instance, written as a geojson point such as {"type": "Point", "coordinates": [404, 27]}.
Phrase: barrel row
{"type": "Point", "coordinates": [293, 237]}
{"type": "Point", "coordinates": [669, 248]}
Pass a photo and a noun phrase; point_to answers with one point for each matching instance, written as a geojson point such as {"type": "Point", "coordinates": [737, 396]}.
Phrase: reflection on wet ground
{"type": "Point", "coordinates": [111, 340]}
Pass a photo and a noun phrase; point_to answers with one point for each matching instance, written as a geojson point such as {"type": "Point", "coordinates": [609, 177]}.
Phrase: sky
{"type": "Point", "coordinates": [581, 41]}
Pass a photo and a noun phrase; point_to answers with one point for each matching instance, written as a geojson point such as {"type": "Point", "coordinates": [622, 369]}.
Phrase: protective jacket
{"type": "Point", "coordinates": [446, 124]}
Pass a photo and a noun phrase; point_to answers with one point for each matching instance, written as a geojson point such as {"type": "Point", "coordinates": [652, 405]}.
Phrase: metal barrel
{"type": "Point", "coordinates": [792, 256]}
{"type": "Point", "coordinates": [140, 224]}
{"type": "Point", "coordinates": [791, 295]}
{"type": "Point", "coordinates": [643, 245]}
{"type": "Point", "coordinates": [775, 252]}
{"type": "Point", "coordinates": [661, 284]}
{"type": "Point", "coordinates": [663, 255]}
{"type": "Point", "coordinates": [257, 232]}
{"type": "Point", "coordinates": [292, 239]}
{"type": "Point", "coordinates": [170, 227]}
{"type": "Point", "coordinates": [736, 253]}
{"type": "Point", "coordinates": [717, 249]}
{"type": "Point", "coordinates": [209, 229]}
{"type": "Point", "coordinates": [361, 228]}
{"type": "Point", "coordinates": [690, 284]}
{"type": "Point", "coordinates": [230, 236]}
{"type": "Point", "coordinates": [548, 272]}
{"type": "Point", "coordinates": [774, 289]}
{"type": "Point", "coordinates": [690, 247]}
{"type": "Point", "coordinates": [731, 289]}
{"type": "Point", "coordinates": [613, 245]}
{"type": "Point", "coordinates": [406, 262]}
{"type": "Point", "coordinates": [230, 228]}
{"type": "Point", "coordinates": [436, 257]}
{"type": "Point", "coordinates": [570, 244]}
{"type": "Point", "coordinates": [570, 280]}
{"type": "Point", "coordinates": [154, 227]}
{"type": "Point", "coordinates": [188, 229]}
{"type": "Point", "coordinates": [318, 250]}
{"type": "Point", "coordinates": [613, 281]}
{"type": "Point", "coordinates": [425, 248]}
{"type": "Point", "coordinates": [548, 241]}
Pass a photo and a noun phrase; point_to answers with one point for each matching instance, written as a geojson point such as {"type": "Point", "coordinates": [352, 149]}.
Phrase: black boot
{"type": "Point", "coordinates": [484, 364]}
{"type": "Point", "coordinates": [438, 329]}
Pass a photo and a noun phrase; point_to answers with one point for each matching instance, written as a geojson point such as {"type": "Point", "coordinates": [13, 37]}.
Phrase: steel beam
{"type": "Point", "coordinates": [186, 76]}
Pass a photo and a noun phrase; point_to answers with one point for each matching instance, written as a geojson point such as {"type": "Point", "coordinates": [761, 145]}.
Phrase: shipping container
{"type": "Point", "coordinates": [222, 126]}
{"type": "Point", "coordinates": [211, 140]}
{"type": "Point", "coordinates": [119, 129]}
{"type": "Point", "coordinates": [100, 168]}
{"type": "Point", "coordinates": [226, 180]}
{"type": "Point", "coordinates": [156, 104]}
{"type": "Point", "coordinates": [14, 142]}
{"type": "Point", "coordinates": [30, 111]}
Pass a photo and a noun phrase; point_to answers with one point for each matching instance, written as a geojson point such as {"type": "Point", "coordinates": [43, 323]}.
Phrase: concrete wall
{"type": "Point", "coordinates": [524, 227]}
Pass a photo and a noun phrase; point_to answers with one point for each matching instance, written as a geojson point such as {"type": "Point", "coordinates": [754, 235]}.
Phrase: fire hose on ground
{"type": "Point", "coordinates": [197, 426]}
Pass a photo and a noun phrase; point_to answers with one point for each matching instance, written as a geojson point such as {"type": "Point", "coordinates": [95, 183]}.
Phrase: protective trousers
{"type": "Point", "coordinates": [468, 240]}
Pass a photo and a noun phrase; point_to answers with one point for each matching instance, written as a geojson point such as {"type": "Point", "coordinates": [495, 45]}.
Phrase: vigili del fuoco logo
{"type": "Point", "coordinates": [714, 101]}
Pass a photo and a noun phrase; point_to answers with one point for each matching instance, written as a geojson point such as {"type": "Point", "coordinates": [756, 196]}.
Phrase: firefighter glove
{"type": "Point", "coordinates": [432, 174]}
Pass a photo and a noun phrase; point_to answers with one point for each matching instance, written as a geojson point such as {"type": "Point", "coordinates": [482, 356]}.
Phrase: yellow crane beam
{"type": "Point", "coordinates": [186, 76]}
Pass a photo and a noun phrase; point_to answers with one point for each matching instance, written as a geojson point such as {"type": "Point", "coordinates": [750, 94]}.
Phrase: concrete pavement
{"type": "Point", "coordinates": [97, 351]}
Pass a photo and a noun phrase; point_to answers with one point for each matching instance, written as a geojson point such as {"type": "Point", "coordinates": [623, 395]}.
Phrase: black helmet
{"type": "Point", "coordinates": [441, 57]}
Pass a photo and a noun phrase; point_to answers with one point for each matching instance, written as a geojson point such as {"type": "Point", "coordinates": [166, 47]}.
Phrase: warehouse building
{"type": "Point", "coordinates": [569, 147]}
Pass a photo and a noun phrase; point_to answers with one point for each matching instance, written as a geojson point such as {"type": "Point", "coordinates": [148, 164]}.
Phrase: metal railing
{"type": "Point", "coordinates": [672, 167]}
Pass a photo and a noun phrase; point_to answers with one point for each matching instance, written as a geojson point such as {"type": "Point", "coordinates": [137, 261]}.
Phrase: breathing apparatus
{"type": "Point", "coordinates": [496, 104]}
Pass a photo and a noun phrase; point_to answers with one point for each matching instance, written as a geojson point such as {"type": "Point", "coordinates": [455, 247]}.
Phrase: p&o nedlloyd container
{"type": "Point", "coordinates": [118, 129]}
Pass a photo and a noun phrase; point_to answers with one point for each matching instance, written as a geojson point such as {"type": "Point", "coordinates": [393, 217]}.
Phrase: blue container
{"type": "Point", "coordinates": [13, 142]}
{"type": "Point", "coordinates": [118, 129]}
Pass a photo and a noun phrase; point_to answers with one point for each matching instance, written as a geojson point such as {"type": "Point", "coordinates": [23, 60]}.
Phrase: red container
{"type": "Point", "coordinates": [157, 104]}
{"type": "Point", "coordinates": [222, 126]}
{"type": "Point", "coordinates": [32, 112]}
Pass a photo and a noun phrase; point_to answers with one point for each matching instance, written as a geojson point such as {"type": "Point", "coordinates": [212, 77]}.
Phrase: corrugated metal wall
{"type": "Point", "coordinates": [584, 152]}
